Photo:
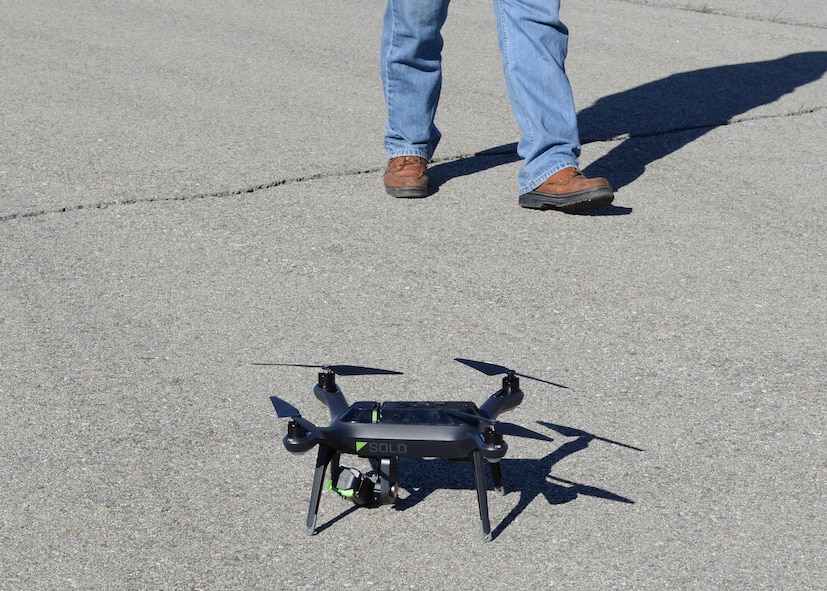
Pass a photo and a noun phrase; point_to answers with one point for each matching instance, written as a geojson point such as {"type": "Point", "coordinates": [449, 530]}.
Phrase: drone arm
{"type": "Point", "coordinates": [335, 400]}
{"type": "Point", "coordinates": [501, 401]}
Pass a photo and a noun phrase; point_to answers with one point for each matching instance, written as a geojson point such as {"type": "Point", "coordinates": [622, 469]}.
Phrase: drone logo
{"type": "Point", "coordinates": [375, 447]}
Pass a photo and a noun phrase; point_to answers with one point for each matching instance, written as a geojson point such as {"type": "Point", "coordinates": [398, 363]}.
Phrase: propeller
{"type": "Point", "coordinates": [285, 410]}
{"type": "Point", "coordinates": [492, 369]}
{"type": "Point", "coordinates": [500, 427]}
{"type": "Point", "coordinates": [572, 432]}
{"type": "Point", "coordinates": [341, 370]}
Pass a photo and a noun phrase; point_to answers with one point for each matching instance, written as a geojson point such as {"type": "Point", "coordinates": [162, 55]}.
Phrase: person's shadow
{"type": "Point", "coordinates": [660, 117]}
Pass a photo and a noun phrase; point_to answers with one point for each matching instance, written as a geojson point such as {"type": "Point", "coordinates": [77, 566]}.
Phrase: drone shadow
{"type": "Point", "coordinates": [661, 117]}
{"type": "Point", "coordinates": [333, 521]}
{"type": "Point", "coordinates": [420, 477]}
{"type": "Point", "coordinates": [529, 478]}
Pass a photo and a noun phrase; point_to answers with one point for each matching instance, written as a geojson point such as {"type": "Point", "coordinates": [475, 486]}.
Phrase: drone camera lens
{"type": "Point", "coordinates": [353, 485]}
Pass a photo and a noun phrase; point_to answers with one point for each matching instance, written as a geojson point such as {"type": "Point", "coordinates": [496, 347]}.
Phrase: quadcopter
{"type": "Point", "coordinates": [386, 431]}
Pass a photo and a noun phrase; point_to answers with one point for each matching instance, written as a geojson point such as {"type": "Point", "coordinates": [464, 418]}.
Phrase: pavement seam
{"type": "Point", "coordinates": [704, 8]}
{"type": "Point", "coordinates": [211, 195]}
{"type": "Point", "coordinates": [713, 125]}
{"type": "Point", "coordinates": [349, 173]}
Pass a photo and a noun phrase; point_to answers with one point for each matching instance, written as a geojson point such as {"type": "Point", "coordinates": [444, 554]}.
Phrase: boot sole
{"type": "Point", "coordinates": [407, 192]}
{"type": "Point", "coordinates": [594, 198]}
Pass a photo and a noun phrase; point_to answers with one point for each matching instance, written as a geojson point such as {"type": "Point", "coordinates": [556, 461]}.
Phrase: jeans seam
{"type": "Point", "coordinates": [388, 90]}
{"type": "Point", "coordinates": [507, 70]}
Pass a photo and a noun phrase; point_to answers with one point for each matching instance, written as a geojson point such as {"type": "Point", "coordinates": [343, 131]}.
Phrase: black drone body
{"type": "Point", "coordinates": [387, 431]}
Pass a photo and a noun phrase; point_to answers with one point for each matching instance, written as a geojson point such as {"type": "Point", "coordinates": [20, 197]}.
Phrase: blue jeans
{"type": "Point", "coordinates": [533, 43]}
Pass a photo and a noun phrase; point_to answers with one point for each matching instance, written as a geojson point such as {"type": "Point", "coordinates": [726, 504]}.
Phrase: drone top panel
{"type": "Point", "coordinates": [408, 413]}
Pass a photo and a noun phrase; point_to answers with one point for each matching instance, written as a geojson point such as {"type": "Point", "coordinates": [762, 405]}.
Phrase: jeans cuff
{"type": "Point", "coordinates": [398, 153]}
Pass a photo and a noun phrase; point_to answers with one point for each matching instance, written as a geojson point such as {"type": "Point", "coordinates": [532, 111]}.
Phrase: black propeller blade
{"type": "Point", "coordinates": [341, 370]}
{"type": "Point", "coordinates": [500, 427]}
{"type": "Point", "coordinates": [285, 410]}
{"type": "Point", "coordinates": [572, 432]}
{"type": "Point", "coordinates": [492, 369]}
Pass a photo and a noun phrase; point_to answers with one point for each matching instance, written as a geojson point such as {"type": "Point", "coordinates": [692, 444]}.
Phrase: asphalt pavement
{"type": "Point", "coordinates": [187, 189]}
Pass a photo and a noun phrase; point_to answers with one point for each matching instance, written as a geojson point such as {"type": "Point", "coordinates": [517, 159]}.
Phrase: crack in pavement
{"type": "Point", "coordinates": [349, 173]}
{"type": "Point", "coordinates": [196, 197]}
{"type": "Point", "coordinates": [704, 8]}
{"type": "Point", "coordinates": [733, 121]}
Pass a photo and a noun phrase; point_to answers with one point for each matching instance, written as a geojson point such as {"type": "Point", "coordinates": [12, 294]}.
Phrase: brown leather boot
{"type": "Point", "coordinates": [406, 176]}
{"type": "Point", "coordinates": [569, 190]}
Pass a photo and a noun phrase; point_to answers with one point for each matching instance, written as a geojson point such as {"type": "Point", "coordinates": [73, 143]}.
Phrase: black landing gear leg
{"type": "Point", "coordinates": [497, 475]}
{"type": "Point", "coordinates": [386, 487]}
{"type": "Point", "coordinates": [482, 495]}
{"type": "Point", "coordinates": [325, 456]}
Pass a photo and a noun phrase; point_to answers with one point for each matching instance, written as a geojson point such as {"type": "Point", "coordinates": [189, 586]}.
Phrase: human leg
{"type": "Point", "coordinates": [411, 69]}
{"type": "Point", "coordinates": [534, 44]}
